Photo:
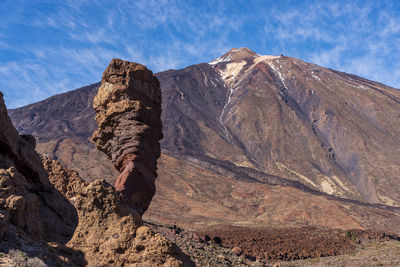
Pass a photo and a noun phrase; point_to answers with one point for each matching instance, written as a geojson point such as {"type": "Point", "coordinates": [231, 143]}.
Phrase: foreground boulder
{"type": "Point", "coordinates": [128, 111]}
{"type": "Point", "coordinates": [29, 203]}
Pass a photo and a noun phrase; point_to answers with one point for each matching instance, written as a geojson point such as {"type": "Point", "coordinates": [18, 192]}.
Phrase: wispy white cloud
{"type": "Point", "coordinates": [360, 38]}
{"type": "Point", "coordinates": [50, 47]}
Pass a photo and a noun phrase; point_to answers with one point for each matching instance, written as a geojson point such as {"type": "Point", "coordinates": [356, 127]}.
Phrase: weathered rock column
{"type": "Point", "coordinates": [128, 115]}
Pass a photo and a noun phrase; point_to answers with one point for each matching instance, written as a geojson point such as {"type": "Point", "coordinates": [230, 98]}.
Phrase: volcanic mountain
{"type": "Point", "coordinates": [252, 139]}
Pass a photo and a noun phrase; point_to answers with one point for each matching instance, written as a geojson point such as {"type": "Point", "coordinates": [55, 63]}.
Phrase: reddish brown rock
{"type": "Point", "coordinates": [128, 110]}
{"type": "Point", "coordinates": [281, 243]}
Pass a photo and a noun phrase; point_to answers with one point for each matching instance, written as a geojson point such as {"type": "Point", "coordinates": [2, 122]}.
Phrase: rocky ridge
{"type": "Point", "coordinates": [29, 202]}
{"type": "Point", "coordinates": [111, 233]}
{"type": "Point", "coordinates": [66, 181]}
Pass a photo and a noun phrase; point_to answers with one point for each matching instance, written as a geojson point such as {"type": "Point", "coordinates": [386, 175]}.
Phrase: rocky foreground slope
{"type": "Point", "coordinates": [82, 223]}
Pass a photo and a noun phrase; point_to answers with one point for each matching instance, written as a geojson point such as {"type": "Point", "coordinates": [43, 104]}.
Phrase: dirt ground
{"type": "Point", "coordinates": [376, 253]}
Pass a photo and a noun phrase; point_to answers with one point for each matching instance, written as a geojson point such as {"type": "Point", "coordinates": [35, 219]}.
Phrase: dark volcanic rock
{"type": "Point", "coordinates": [27, 198]}
{"type": "Point", "coordinates": [282, 244]}
{"type": "Point", "coordinates": [128, 111]}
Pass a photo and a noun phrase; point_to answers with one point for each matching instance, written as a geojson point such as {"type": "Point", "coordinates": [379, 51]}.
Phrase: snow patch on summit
{"type": "Point", "coordinates": [231, 71]}
{"type": "Point", "coordinates": [264, 58]}
{"type": "Point", "coordinates": [235, 60]}
{"type": "Point", "coordinates": [221, 59]}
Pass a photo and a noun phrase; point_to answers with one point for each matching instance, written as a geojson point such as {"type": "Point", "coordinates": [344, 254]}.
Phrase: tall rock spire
{"type": "Point", "coordinates": [128, 111]}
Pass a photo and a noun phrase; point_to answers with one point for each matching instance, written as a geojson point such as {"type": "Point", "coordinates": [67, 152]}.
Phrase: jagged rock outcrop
{"type": "Point", "coordinates": [29, 203]}
{"type": "Point", "coordinates": [111, 233]}
{"type": "Point", "coordinates": [66, 181]}
{"type": "Point", "coordinates": [128, 111]}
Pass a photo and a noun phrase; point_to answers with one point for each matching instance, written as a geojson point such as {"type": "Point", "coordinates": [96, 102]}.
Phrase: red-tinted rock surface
{"type": "Point", "coordinates": [29, 203]}
{"type": "Point", "coordinates": [128, 111]}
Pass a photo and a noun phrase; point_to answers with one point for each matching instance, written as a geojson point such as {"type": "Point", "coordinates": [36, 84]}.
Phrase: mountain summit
{"type": "Point", "coordinates": [235, 54]}
{"type": "Point", "coordinates": [236, 60]}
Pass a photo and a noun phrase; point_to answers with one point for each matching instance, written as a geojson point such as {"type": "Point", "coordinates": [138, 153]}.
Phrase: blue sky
{"type": "Point", "coordinates": [49, 47]}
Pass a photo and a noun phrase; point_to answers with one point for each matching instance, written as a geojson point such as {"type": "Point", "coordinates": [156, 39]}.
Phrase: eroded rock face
{"type": "Point", "coordinates": [29, 203]}
{"type": "Point", "coordinates": [66, 181]}
{"type": "Point", "coordinates": [128, 111]}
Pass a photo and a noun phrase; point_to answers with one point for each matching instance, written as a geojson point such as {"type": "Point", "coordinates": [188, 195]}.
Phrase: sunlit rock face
{"type": "Point", "coordinates": [128, 115]}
